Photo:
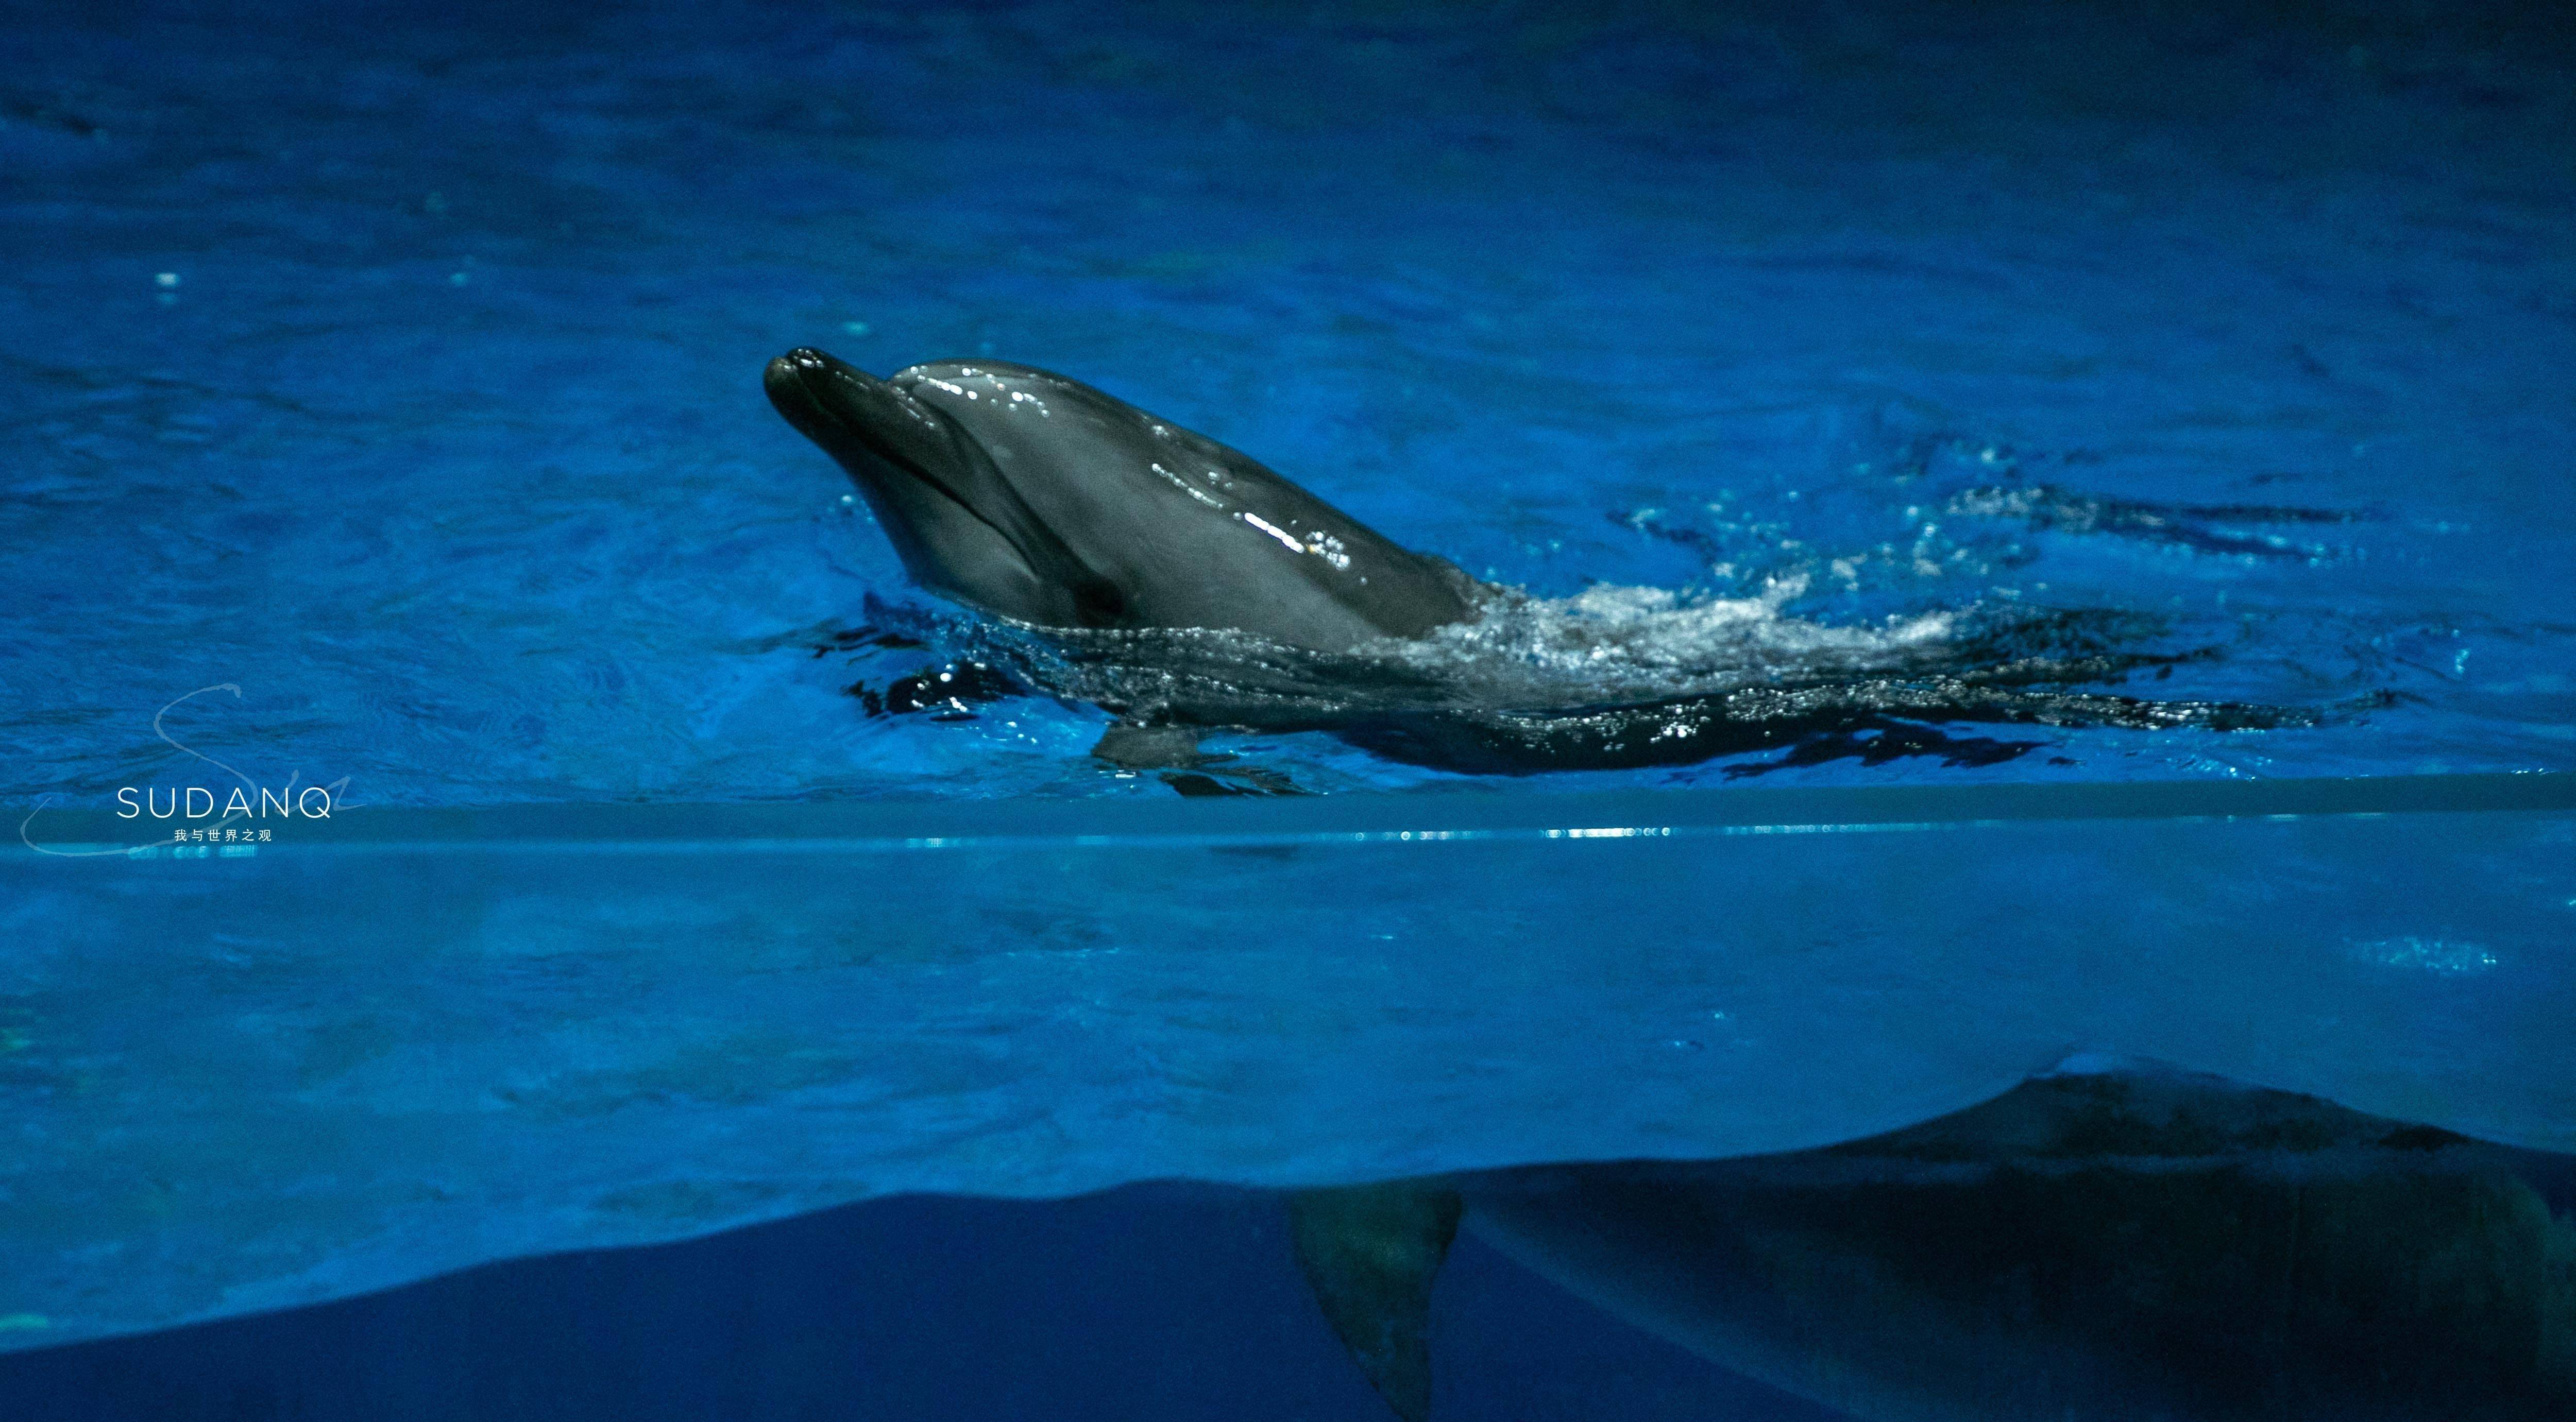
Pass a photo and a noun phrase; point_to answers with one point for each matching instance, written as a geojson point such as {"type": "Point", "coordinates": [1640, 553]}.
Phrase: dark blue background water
{"type": "Point", "coordinates": [401, 371]}
{"type": "Point", "coordinates": [1151, 1302]}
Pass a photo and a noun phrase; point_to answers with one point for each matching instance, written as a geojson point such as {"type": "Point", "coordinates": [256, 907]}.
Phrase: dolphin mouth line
{"type": "Point", "coordinates": [810, 373]}
{"type": "Point", "coordinates": [805, 367]}
{"type": "Point", "coordinates": [805, 370]}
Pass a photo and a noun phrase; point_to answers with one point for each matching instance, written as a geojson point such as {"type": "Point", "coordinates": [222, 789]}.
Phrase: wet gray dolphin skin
{"type": "Point", "coordinates": [1038, 498]}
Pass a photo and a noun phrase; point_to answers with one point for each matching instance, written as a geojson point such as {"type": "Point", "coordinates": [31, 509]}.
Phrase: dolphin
{"type": "Point", "coordinates": [2081, 1249]}
{"type": "Point", "coordinates": [1192, 587]}
{"type": "Point", "coordinates": [1040, 499]}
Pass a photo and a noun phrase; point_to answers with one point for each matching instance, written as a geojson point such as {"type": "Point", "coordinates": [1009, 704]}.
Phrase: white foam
{"type": "Point", "coordinates": [1641, 642]}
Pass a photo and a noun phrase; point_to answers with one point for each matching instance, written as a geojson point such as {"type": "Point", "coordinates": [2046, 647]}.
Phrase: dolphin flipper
{"type": "Point", "coordinates": [1174, 750]}
{"type": "Point", "coordinates": [1130, 746]}
{"type": "Point", "coordinates": [1370, 1253]}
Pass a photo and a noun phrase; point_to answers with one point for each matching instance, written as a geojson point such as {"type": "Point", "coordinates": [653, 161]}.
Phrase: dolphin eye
{"type": "Point", "coordinates": [1097, 602]}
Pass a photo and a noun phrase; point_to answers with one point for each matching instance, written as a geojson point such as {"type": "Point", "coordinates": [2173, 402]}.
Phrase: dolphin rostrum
{"type": "Point", "coordinates": [1038, 498]}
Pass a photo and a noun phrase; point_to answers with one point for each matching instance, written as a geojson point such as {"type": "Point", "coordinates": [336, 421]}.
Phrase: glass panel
{"type": "Point", "coordinates": [401, 1041]}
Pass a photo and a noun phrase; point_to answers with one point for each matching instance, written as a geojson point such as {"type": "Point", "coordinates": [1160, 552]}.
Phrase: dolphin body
{"type": "Point", "coordinates": [1041, 499]}
{"type": "Point", "coordinates": [2083, 1249]}
{"type": "Point", "coordinates": [1196, 589]}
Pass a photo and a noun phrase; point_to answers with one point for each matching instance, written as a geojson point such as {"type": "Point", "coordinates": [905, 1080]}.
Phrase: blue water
{"type": "Point", "coordinates": [403, 373]}
{"type": "Point", "coordinates": [1147, 1302]}
{"type": "Point", "coordinates": [409, 1041]}
{"type": "Point", "coordinates": [383, 413]}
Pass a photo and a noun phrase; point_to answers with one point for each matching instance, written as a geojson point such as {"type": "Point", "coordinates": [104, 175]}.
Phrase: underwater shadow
{"type": "Point", "coordinates": [2141, 1245]}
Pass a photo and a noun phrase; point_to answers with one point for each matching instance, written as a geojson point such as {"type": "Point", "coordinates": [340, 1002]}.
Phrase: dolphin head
{"type": "Point", "coordinates": [1042, 499]}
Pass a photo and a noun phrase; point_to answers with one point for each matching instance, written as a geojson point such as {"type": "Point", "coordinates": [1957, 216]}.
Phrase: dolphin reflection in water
{"type": "Point", "coordinates": [1126, 561]}
{"type": "Point", "coordinates": [2144, 1247]}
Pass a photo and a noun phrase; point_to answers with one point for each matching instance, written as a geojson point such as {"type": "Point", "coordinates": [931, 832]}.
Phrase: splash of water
{"type": "Point", "coordinates": [1618, 677]}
